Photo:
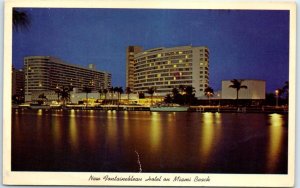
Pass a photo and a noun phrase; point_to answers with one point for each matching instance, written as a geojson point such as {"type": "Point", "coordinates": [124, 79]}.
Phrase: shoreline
{"type": "Point", "coordinates": [201, 109]}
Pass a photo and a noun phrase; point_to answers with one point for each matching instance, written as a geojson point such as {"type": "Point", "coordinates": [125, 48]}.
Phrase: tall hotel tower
{"type": "Point", "coordinates": [45, 73]}
{"type": "Point", "coordinates": [130, 52]}
{"type": "Point", "coordinates": [168, 68]}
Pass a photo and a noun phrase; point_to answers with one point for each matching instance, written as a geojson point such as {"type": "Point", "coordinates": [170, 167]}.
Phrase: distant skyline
{"type": "Point", "coordinates": [244, 44]}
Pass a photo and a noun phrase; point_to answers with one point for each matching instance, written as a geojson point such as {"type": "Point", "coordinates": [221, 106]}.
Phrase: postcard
{"type": "Point", "coordinates": [140, 93]}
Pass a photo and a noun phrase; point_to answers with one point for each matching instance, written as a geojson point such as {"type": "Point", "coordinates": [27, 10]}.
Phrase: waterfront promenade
{"type": "Point", "coordinates": [221, 109]}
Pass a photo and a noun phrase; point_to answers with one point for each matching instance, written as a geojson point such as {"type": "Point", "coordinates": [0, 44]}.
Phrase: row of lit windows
{"type": "Point", "coordinates": [139, 66]}
{"type": "Point", "coordinates": [164, 68]}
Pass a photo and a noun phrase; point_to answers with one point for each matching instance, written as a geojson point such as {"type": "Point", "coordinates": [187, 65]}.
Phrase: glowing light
{"type": "Point", "coordinates": [276, 120]}
{"type": "Point", "coordinates": [275, 141]}
{"type": "Point", "coordinates": [73, 131]}
{"type": "Point", "coordinates": [155, 129]}
{"type": "Point", "coordinates": [40, 112]}
{"type": "Point", "coordinates": [72, 113]}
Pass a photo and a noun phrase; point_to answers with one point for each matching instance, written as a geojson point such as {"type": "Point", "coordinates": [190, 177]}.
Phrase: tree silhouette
{"type": "Point", "coordinates": [100, 91]}
{"type": "Point", "coordinates": [151, 91]}
{"type": "Point", "coordinates": [86, 90]}
{"type": "Point", "coordinates": [208, 92]}
{"type": "Point", "coordinates": [190, 93]}
{"type": "Point", "coordinates": [119, 91]}
{"type": "Point", "coordinates": [65, 94]}
{"type": "Point", "coordinates": [237, 84]}
{"type": "Point", "coordinates": [128, 91]}
{"type": "Point", "coordinates": [20, 20]}
{"type": "Point", "coordinates": [105, 91]}
{"type": "Point", "coordinates": [285, 90]}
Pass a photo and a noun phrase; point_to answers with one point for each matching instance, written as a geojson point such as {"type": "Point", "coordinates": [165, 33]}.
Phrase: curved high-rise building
{"type": "Point", "coordinates": [45, 73]}
{"type": "Point", "coordinates": [168, 68]}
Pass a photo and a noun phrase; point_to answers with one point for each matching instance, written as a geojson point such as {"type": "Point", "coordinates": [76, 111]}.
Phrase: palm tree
{"type": "Point", "coordinates": [176, 96]}
{"type": "Point", "coordinates": [151, 91]}
{"type": "Point", "coordinates": [100, 91]}
{"type": "Point", "coordinates": [105, 91]}
{"type": "Point", "coordinates": [65, 94]}
{"type": "Point", "coordinates": [42, 97]}
{"type": "Point", "coordinates": [285, 90]}
{"type": "Point", "coordinates": [175, 91]}
{"type": "Point", "coordinates": [119, 91]}
{"type": "Point", "coordinates": [182, 90]}
{"type": "Point", "coordinates": [190, 91]}
{"type": "Point", "coordinates": [86, 90]}
{"type": "Point", "coordinates": [128, 91]}
{"type": "Point", "coordinates": [237, 84]}
{"type": "Point", "coordinates": [58, 92]}
{"type": "Point", "coordinates": [21, 20]}
{"type": "Point", "coordinates": [208, 92]}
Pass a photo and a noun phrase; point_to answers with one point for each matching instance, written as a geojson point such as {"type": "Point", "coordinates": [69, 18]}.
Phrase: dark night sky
{"type": "Point", "coordinates": [244, 44]}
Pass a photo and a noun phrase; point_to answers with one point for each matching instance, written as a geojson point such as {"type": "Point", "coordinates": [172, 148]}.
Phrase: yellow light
{"type": "Point", "coordinates": [275, 141]}
{"type": "Point", "coordinates": [175, 66]}
{"type": "Point", "coordinates": [40, 112]}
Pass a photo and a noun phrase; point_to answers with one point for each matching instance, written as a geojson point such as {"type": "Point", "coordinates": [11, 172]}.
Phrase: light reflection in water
{"type": "Point", "coordinates": [56, 130]}
{"type": "Point", "coordinates": [91, 129]}
{"type": "Point", "coordinates": [111, 128]}
{"type": "Point", "coordinates": [155, 131]}
{"type": "Point", "coordinates": [126, 131]}
{"type": "Point", "coordinates": [40, 112]}
{"type": "Point", "coordinates": [275, 142]}
{"type": "Point", "coordinates": [208, 135]}
{"type": "Point", "coordinates": [73, 130]}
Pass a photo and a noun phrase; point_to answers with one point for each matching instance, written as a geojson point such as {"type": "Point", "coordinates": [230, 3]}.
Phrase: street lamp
{"type": "Point", "coordinates": [277, 95]}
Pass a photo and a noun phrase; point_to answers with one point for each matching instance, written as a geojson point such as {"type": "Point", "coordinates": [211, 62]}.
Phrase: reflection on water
{"type": "Point", "coordinates": [209, 135]}
{"type": "Point", "coordinates": [73, 131]}
{"type": "Point", "coordinates": [166, 141]}
{"type": "Point", "coordinates": [275, 140]}
{"type": "Point", "coordinates": [155, 131]}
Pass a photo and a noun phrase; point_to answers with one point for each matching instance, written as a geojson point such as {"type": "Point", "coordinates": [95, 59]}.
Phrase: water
{"type": "Point", "coordinates": [185, 142]}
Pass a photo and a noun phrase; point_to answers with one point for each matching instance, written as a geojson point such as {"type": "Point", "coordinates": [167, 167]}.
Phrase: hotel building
{"type": "Point", "coordinates": [168, 68]}
{"type": "Point", "coordinates": [17, 82]}
{"type": "Point", "coordinates": [130, 52]}
{"type": "Point", "coordinates": [45, 73]}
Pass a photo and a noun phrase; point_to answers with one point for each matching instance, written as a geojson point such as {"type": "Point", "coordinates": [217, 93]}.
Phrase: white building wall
{"type": "Point", "coordinates": [196, 72]}
{"type": "Point", "coordinates": [256, 90]}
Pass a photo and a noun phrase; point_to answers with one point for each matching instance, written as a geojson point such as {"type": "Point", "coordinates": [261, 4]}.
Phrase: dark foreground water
{"type": "Point", "coordinates": [161, 141]}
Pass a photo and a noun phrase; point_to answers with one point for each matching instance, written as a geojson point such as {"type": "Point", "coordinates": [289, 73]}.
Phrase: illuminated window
{"type": "Point", "coordinates": [174, 66]}
{"type": "Point", "coordinates": [180, 52]}
{"type": "Point", "coordinates": [180, 61]}
{"type": "Point", "coordinates": [158, 55]}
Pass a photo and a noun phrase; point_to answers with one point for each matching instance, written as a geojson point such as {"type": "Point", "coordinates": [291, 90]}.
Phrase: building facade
{"type": "Point", "coordinates": [44, 73]}
{"type": "Point", "coordinates": [256, 89]}
{"type": "Point", "coordinates": [18, 82]}
{"type": "Point", "coordinates": [168, 68]}
{"type": "Point", "coordinates": [130, 52]}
